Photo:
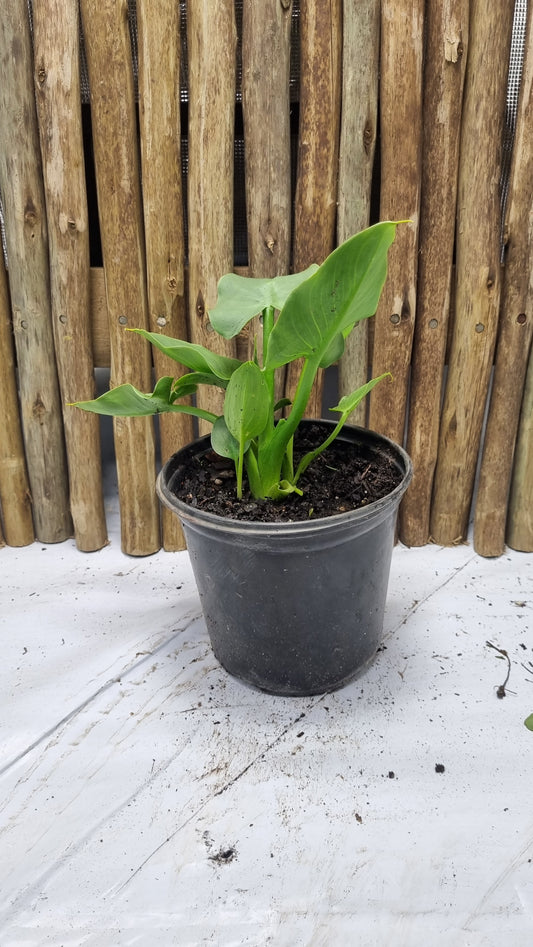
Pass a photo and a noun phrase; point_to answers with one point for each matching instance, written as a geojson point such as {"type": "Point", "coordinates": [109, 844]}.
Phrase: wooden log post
{"type": "Point", "coordinates": [27, 249]}
{"type": "Point", "coordinates": [445, 62]}
{"type": "Point", "coordinates": [477, 269]}
{"type": "Point", "coordinates": [211, 37]}
{"type": "Point", "coordinates": [108, 48]}
{"type": "Point", "coordinates": [360, 79]}
{"type": "Point", "coordinates": [520, 516]}
{"type": "Point", "coordinates": [515, 331]}
{"type": "Point", "coordinates": [159, 98]}
{"type": "Point", "coordinates": [318, 149]}
{"type": "Point", "coordinates": [15, 501]}
{"type": "Point", "coordinates": [265, 97]}
{"type": "Point", "coordinates": [57, 84]}
{"type": "Point", "coordinates": [266, 112]}
{"type": "Point", "coordinates": [402, 34]}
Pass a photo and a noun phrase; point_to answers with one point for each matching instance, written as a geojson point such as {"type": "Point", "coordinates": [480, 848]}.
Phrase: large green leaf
{"type": "Point", "coordinates": [345, 289]}
{"type": "Point", "coordinates": [334, 351]}
{"type": "Point", "coordinates": [240, 298]}
{"type": "Point", "coordinates": [126, 401]}
{"type": "Point", "coordinates": [193, 356]}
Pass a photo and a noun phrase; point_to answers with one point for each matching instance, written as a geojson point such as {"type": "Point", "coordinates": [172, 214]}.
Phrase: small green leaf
{"type": "Point", "coordinates": [529, 722]}
{"type": "Point", "coordinates": [349, 402]}
{"type": "Point", "coordinates": [125, 401]}
{"type": "Point", "coordinates": [283, 489]}
{"type": "Point", "coordinates": [222, 442]}
{"type": "Point", "coordinates": [240, 298]}
{"type": "Point", "coordinates": [247, 403]}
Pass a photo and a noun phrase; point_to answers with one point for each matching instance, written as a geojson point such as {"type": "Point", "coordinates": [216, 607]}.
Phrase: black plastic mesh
{"type": "Point", "coordinates": [184, 91]}
{"type": "Point", "coordinates": [516, 59]}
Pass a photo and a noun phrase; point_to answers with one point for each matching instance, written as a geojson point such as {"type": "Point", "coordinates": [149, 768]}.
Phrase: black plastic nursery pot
{"type": "Point", "coordinates": [293, 608]}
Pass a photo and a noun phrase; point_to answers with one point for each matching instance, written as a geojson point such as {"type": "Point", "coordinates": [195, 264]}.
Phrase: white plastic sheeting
{"type": "Point", "coordinates": [149, 799]}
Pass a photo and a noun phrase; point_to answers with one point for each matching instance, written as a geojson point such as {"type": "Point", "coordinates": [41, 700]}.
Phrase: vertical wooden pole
{"type": "Point", "coordinates": [360, 74]}
{"type": "Point", "coordinates": [445, 62]}
{"type": "Point", "coordinates": [266, 113]}
{"type": "Point", "coordinates": [265, 95]}
{"type": "Point", "coordinates": [211, 37]}
{"type": "Point", "coordinates": [402, 35]}
{"type": "Point", "coordinates": [477, 269]}
{"type": "Point", "coordinates": [107, 43]}
{"type": "Point", "coordinates": [15, 501]}
{"type": "Point", "coordinates": [515, 330]}
{"type": "Point", "coordinates": [57, 84]}
{"type": "Point", "coordinates": [159, 96]}
{"type": "Point", "coordinates": [27, 248]}
{"type": "Point", "coordinates": [520, 518]}
{"type": "Point", "coordinates": [318, 148]}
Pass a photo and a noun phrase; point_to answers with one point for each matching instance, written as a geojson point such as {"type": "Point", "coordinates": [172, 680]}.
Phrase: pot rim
{"type": "Point", "coordinates": [372, 511]}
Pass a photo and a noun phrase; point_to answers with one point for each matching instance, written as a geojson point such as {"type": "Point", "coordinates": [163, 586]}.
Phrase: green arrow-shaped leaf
{"type": "Point", "coordinates": [240, 298]}
{"type": "Point", "coordinates": [125, 401]}
{"type": "Point", "coordinates": [345, 289]}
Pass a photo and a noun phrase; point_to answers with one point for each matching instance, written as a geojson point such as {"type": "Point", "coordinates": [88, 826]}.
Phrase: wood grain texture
{"type": "Point", "coordinates": [318, 148]}
{"type": "Point", "coordinates": [266, 113]}
{"type": "Point", "coordinates": [402, 29]}
{"type": "Point", "coordinates": [159, 107]}
{"type": "Point", "coordinates": [57, 85]}
{"type": "Point", "coordinates": [445, 62]}
{"type": "Point", "coordinates": [21, 184]}
{"type": "Point", "coordinates": [477, 269]}
{"type": "Point", "coordinates": [360, 80]}
{"type": "Point", "coordinates": [515, 331]}
{"type": "Point", "coordinates": [15, 500]}
{"type": "Point", "coordinates": [107, 42]}
{"type": "Point", "coordinates": [265, 96]}
{"type": "Point", "coordinates": [99, 318]}
{"type": "Point", "coordinates": [520, 514]}
{"type": "Point", "coordinates": [211, 37]}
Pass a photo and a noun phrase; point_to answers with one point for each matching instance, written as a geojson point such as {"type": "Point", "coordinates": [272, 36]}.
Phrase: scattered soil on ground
{"type": "Point", "coordinates": [345, 477]}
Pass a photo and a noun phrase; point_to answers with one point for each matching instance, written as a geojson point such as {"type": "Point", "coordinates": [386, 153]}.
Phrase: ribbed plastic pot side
{"type": "Point", "coordinates": [295, 608]}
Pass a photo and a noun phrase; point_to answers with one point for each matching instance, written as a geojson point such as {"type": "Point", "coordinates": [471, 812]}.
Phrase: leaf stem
{"type": "Point", "coordinates": [269, 374]}
{"type": "Point", "coordinates": [239, 469]}
{"type": "Point", "coordinates": [272, 448]}
{"type": "Point", "coordinates": [312, 455]}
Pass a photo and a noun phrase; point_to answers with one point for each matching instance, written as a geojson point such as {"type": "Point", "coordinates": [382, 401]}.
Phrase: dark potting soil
{"type": "Point", "coordinates": [345, 477]}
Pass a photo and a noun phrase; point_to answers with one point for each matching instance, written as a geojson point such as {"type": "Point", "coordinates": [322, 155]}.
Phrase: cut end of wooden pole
{"type": "Point", "coordinates": [173, 536]}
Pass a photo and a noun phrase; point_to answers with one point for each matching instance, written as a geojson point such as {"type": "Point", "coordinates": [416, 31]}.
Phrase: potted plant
{"type": "Point", "coordinates": [292, 583]}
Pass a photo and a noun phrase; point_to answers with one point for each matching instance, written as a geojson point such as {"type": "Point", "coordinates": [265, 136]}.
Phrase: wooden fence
{"type": "Point", "coordinates": [299, 84]}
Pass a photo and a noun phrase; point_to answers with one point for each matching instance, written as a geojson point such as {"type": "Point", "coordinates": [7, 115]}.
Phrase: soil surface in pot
{"type": "Point", "coordinates": [345, 477]}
